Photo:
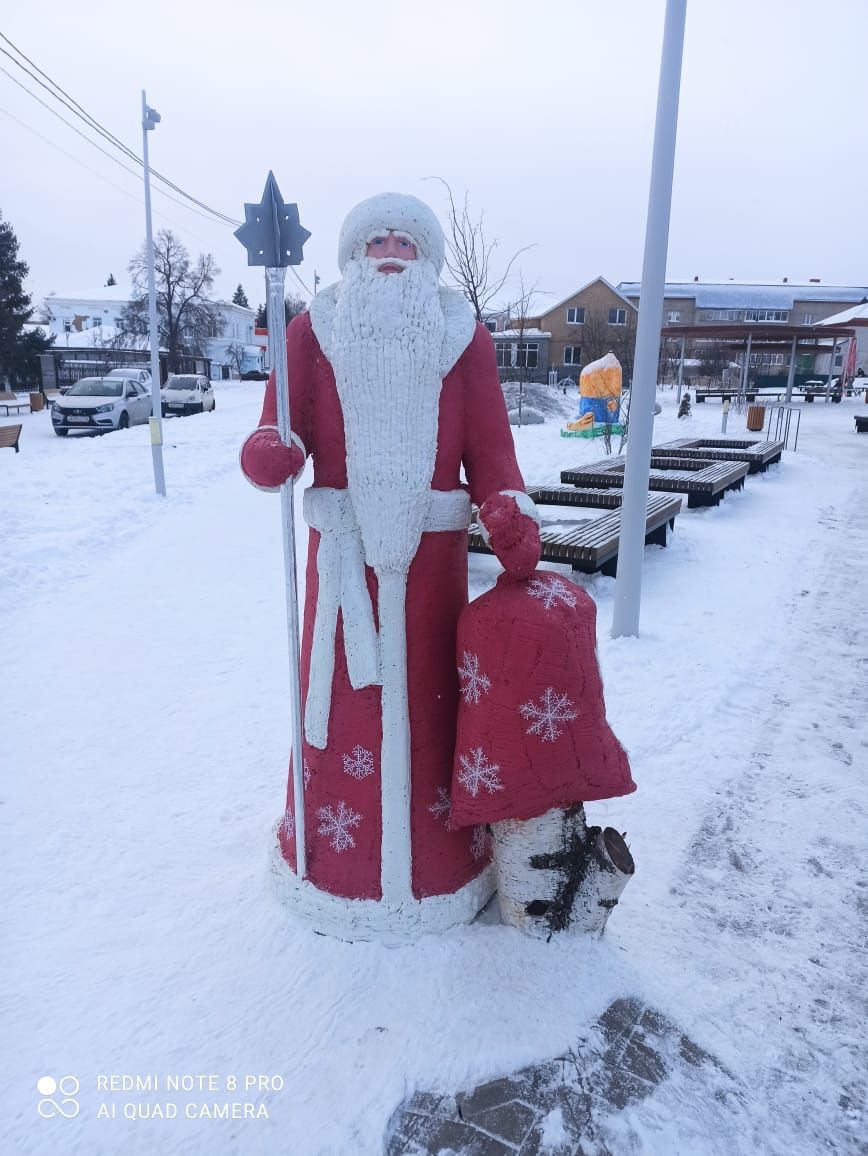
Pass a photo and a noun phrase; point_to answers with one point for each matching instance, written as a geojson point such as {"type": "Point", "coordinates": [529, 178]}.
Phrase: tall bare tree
{"type": "Point", "coordinates": [186, 313]}
{"type": "Point", "coordinates": [469, 255]}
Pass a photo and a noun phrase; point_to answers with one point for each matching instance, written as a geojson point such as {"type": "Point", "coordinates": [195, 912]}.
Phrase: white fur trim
{"type": "Point", "coordinates": [341, 574]}
{"type": "Point", "coordinates": [396, 211]}
{"type": "Point", "coordinates": [365, 919]}
{"type": "Point", "coordinates": [459, 331]}
{"type": "Point", "coordinates": [524, 503]}
{"type": "Point", "coordinates": [396, 848]}
{"type": "Point", "coordinates": [271, 489]}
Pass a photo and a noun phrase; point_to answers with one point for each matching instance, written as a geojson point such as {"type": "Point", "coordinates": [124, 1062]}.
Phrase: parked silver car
{"type": "Point", "coordinates": [101, 404]}
{"type": "Point", "coordinates": [187, 393]}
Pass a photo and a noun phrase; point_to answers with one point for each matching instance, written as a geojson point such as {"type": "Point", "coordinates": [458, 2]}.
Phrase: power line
{"type": "Point", "coordinates": [98, 147]}
{"type": "Point", "coordinates": [101, 176]}
{"type": "Point", "coordinates": [77, 110]}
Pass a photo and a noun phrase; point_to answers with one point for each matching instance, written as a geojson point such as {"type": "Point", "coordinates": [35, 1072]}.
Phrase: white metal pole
{"type": "Point", "coordinates": [680, 370]}
{"type": "Point", "coordinates": [628, 585]}
{"type": "Point", "coordinates": [791, 372]}
{"type": "Point", "coordinates": [156, 422]}
{"type": "Point", "coordinates": [275, 280]}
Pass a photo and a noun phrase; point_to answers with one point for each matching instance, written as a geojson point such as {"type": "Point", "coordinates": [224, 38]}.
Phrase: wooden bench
{"type": "Point", "coordinates": [9, 435]}
{"type": "Point", "coordinates": [861, 420]}
{"type": "Point", "coordinates": [703, 480]}
{"type": "Point", "coordinates": [759, 455]}
{"type": "Point", "coordinates": [8, 401]}
{"type": "Point", "coordinates": [590, 544]}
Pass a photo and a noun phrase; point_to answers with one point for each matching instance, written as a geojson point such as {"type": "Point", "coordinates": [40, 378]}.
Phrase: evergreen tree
{"type": "Point", "coordinates": [19, 351]}
{"type": "Point", "coordinates": [239, 297]}
{"type": "Point", "coordinates": [292, 306]}
{"type": "Point", "coordinates": [111, 280]}
{"type": "Point", "coordinates": [261, 321]}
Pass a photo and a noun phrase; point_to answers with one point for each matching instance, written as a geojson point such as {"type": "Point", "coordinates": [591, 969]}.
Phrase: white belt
{"type": "Point", "coordinates": [342, 586]}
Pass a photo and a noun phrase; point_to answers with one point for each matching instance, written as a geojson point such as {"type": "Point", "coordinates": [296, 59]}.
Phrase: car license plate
{"type": "Point", "coordinates": [176, 405]}
{"type": "Point", "coordinates": [79, 420]}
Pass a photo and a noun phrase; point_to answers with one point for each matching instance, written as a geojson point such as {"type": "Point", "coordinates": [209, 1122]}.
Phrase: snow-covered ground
{"type": "Point", "coordinates": [144, 737]}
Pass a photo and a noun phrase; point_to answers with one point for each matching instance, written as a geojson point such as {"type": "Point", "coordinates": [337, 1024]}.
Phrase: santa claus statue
{"type": "Point", "coordinates": [393, 392]}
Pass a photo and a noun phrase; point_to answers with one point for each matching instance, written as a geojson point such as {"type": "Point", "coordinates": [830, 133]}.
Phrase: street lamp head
{"type": "Point", "coordinates": [151, 118]}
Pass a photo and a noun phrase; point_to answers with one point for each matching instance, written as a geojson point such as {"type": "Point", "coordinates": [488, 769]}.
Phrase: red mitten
{"type": "Point", "coordinates": [512, 535]}
{"type": "Point", "coordinates": [267, 461]}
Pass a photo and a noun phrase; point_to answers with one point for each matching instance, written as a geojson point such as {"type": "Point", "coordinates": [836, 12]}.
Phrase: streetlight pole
{"type": "Point", "coordinates": [628, 585]}
{"type": "Point", "coordinates": [150, 119]}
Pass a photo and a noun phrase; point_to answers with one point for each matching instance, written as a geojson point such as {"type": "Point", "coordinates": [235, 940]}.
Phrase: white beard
{"type": "Point", "coordinates": [385, 352]}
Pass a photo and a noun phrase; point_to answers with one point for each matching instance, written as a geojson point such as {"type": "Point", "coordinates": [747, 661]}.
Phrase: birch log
{"type": "Point", "coordinates": [555, 874]}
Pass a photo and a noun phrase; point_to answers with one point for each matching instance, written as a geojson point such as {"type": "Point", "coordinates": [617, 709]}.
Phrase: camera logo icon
{"type": "Point", "coordinates": [64, 1092]}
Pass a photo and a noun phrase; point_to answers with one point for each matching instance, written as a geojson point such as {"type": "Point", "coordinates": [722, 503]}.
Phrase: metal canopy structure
{"type": "Point", "coordinates": [752, 337]}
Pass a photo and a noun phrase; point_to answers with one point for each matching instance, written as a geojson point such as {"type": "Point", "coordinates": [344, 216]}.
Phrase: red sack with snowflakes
{"type": "Point", "coordinates": [532, 730]}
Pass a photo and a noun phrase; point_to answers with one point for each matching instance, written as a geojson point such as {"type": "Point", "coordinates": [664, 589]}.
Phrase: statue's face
{"type": "Point", "coordinates": [390, 244]}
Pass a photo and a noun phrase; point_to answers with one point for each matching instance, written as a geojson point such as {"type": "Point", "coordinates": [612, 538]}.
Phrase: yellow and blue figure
{"type": "Point", "coordinates": [599, 399]}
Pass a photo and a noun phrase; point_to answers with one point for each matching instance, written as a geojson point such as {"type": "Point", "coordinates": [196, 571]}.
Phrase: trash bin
{"type": "Point", "coordinates": [37, 402]}
{"type": "Point", "coordinates": [756, 417]}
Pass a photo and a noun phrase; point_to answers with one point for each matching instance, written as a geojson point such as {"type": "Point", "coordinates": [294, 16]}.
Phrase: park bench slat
{"type": "Point", "coordinates": [592, 544]}
{"type": "Point", "coordinates": [758, 454]}
{"type": "Point", "coordinates": [703, 480]}
{"type": "Point", "coordinates": [9, 435]}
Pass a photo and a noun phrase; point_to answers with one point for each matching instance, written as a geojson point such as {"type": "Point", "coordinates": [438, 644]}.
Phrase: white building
{"type": "Point", "coordinates": [91, 319]}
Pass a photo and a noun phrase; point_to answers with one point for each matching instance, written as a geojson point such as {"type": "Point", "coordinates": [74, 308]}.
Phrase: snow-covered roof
{"type": "Point", "coordinates": [551, 308]}
{"type": "Point", "coordinates": [112, 294]}
{"type": "Point", "coordinates": [857, 315]}
{"type": "Point", "coordinates": [739, 294]}
{"type": "Point", "coordinates": [523, 334]}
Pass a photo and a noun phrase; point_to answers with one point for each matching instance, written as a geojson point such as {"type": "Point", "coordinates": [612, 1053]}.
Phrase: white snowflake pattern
{"type": "Point", "coordinates": [287, 825]}
{"type": "Point", "coordinates": [476, 772]}
{"type": "Point", "coordinates": [443, 806]}
{"type": "Point", "coordinates": [478, 683]}
{"type": "Point", "coordinates": [306, 772]}
{"type": "Point", "coordinates": [335, 824]}
{"type": "Point", "coordinates": [360, 763]}
{"type": "Point", "coordinates": [553, 708]}
{"type": "Point", "coordinates": [479, 843]}
{"type": "Point", "coordinates": [551, 592]}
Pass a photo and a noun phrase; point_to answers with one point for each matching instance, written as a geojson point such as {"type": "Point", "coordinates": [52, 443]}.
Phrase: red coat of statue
{"type": "Point", "coordinates": [394, 393]}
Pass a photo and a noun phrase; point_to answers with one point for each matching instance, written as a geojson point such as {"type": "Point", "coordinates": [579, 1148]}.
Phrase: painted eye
{"type": "Point", "coordinates": [378, 241]}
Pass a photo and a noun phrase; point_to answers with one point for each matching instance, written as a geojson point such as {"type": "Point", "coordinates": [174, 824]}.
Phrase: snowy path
{"type": "Point", "coordinates": [144, 766]}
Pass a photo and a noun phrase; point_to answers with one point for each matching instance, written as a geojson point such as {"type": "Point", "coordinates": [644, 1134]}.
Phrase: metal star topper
{"type": "Point", "coordinates": [272, 233]}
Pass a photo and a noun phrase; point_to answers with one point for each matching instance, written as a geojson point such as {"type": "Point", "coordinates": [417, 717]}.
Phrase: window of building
{"type": "Point", "coordinates": [617, 316]}
{"type": "Point", "coordinates": [517, 355]}
{"type": "Point", "coordinates": [527, 354]}
{"type": "Point", "coordinates": [491, 326]}
{"type": "Point", "coordinates": [766, 314]}
{"type": "Point", "coordinates": [119, 323]}
{"type": "Point", "coordinates": [808, 319]}
{"type": "Point", "coordinates": [96, 323]}
{"type": "Point", "coordinates": [673, 317]}
{"type": "Point", "coordinates": [572, 355]}
{"type": "Point", "coordinates": [758, 360]}
{"type": "Point", "coordinates": [576, 316]}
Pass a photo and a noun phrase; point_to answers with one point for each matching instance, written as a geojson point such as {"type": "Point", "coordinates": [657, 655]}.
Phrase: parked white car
{"type": "Point", "coordinates": [101, 404]}
{"type": "Point", "coordinates": [132, 373]}
{"type": "Point", "coordinates": [187, 393]}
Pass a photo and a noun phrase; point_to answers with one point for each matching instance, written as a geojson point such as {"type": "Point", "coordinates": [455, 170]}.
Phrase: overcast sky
{"type": "Point", "coordinates": [543, 113]}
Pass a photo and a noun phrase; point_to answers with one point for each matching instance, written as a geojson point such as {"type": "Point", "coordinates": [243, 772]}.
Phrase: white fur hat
{"type": "Point", "coordinates": [398, 211]}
